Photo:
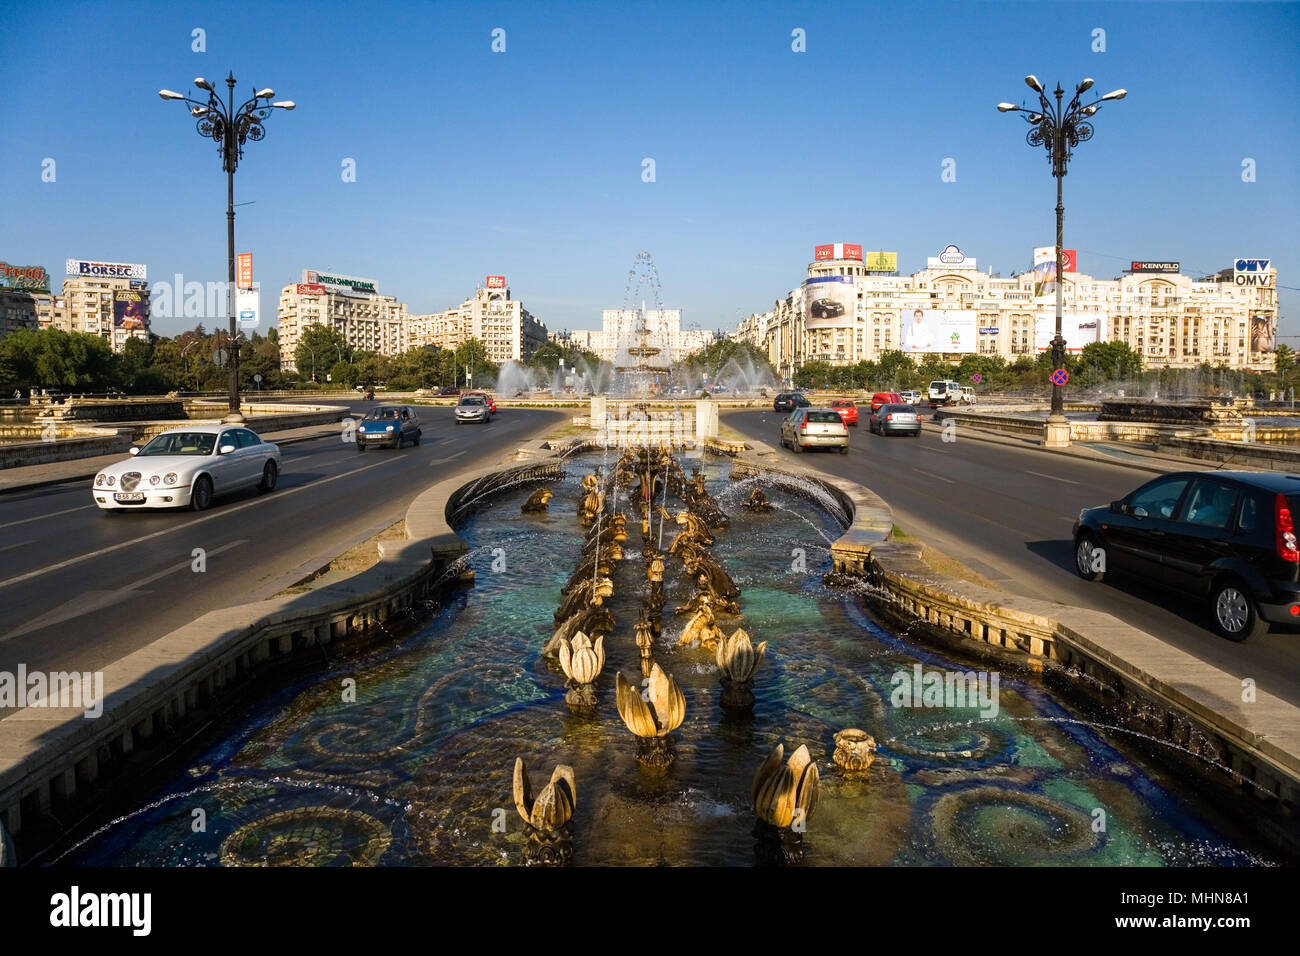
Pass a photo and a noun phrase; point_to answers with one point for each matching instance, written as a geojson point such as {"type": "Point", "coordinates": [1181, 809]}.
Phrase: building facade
{"type": "Point", "coordinates": [115, 309]}
{"type": "Point", "coordinates": [617, 334]}
{"type": "Point", "coordinates": [506, 329]}
{"type": "Point", "coordinates": [844, 313]}
{"type": "Point", "coordinates": [368, 321]}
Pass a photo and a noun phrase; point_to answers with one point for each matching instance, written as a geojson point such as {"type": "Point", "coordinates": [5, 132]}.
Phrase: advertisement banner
{"type": "Point", "coordinates": [880, 261]}
{"type": "Point", "coordinates": [938, 330]}
{"type": "Point", "coordinates": [128, 311]}
{"type": "Point", "coordinates": [244, 270]}
{"type": "Point", "coordinates": [1077, 328]}
{"type": "Point", "coordinates": [340, 282]}
{"type": "Point", "coordinates": [951, 258]}
{"type": "Point", "coordinates": [1252, 272]}
{"type": "Point", "coordinates": [305, 288]}
{"type": "Point", "coordinates": [830, 301]}
{"type": "Point", "coordinates": [248, 304]}
{"type": "Point", "coordinates": [495, 282]}
{"type": "Point", "coordinates": [1263, 334]}
{"type": "Point", "coordinates": [106, 270]}
{"type": "Point", "coordinates": [1044, 272]}
{"type": "Point", "coordinates": [837, 250]}
{"type": "Point", "coordinates": [29, 278]}
{"type": "Point", "coordinates": [1147, 266]}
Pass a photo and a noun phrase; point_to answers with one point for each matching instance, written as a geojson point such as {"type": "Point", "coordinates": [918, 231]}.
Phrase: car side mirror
{"type": "Point", "coordinates": [227, 449]}
{"type": "Point", "coordinates": [135, 449]}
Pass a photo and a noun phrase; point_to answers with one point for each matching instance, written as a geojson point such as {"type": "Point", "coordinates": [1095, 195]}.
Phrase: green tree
{"type": "Point", "coordinates": [473, 354]}
{"type": "Point", "coordinates": [319, 347]}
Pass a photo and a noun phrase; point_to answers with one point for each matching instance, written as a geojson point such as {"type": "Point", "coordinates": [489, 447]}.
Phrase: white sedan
{"type": "Point", "coordinates": [187, 467]}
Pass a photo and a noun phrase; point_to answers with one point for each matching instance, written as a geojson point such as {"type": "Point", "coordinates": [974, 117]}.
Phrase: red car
{"type": "Point", "coordinates": [885, 398]}
{"type": "Point", "coordinates": [491, 402]}
{"type": "Point", "coordinates": [848, 410]}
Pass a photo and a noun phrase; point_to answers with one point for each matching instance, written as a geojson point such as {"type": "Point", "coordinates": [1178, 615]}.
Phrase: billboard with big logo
{"type": "Point", "coordinates": [1254, 272]}
{"type": "Point", "coordinates": [495, 282]}
{"type": "Point", "coordinates": [938, 330]}
{"type": "Point", "coordinates": [106, 270]}
{"type": "Point", "coordinates": [30, 278]}
{"type": "Point", "coordinates": [880, 261]}
{"type": "Point", "coordinates": [830, 302]}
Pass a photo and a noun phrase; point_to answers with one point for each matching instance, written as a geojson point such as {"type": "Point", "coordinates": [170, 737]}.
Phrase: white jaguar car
{"type": "Point", "coordinates": [187, 467]}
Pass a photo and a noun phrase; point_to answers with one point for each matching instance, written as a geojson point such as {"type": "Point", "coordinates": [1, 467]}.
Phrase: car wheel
{"type": "Point", "coordinates": [417, 439]}
{"type": "Point", "coordinates": [361, 446]}
{"type": "Point", "coordinates": [844, 449]}
{"type": "Point", "coordinates": [795, 446]}
{"type": "Point", "coordinates": [1086, 554]}
{"type": "Point", "coordinates": [270, 475]}
{"type": "Point", "coordinates": [201, 496]}
{"type": "Point", "coordinates": [1234, 612]}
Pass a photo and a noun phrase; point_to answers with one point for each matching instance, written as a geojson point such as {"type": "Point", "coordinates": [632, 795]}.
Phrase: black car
{"type": "Point", "coordinates": [789, 401]}
{"type": "Point", "coordinates": [1228, 536]}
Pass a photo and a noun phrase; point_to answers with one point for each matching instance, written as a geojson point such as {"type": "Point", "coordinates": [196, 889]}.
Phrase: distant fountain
{"type": "Point", "coordinates": [514, 380]}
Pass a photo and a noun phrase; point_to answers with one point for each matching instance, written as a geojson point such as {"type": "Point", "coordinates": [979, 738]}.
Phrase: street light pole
{"type": "Point", "coordinates": [1059, 129]}
{"type": "Point", "coordinates": [230, 128]}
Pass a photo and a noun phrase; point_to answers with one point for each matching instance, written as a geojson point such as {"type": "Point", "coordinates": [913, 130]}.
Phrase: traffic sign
{"type": "Point", "coordinates": [976, 378]}
{"type": "Point", "coordinates": [219, 357]}
{"type": "Point", "coordinates": [257, 377]}
{"type": "Point", "coordinates": [1060, 377]}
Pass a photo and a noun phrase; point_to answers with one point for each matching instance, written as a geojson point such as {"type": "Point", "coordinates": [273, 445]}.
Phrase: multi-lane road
{"type": "Point", "coordinates": [80, 588]}
{"type": "Point", "coordinates": [1006, 511]}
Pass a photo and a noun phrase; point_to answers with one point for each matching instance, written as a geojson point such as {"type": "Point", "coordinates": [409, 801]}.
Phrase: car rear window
{"type": "Point", "coordinates": [824, 417]}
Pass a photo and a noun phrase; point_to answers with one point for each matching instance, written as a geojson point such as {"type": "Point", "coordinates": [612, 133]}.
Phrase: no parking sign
{"type": "Point", "coordinates": [1060, 377]}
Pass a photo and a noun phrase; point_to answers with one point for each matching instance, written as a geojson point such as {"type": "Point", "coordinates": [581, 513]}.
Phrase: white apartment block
{"type": "Point", "coordinates": [1171, 319]}
{"type": "Point", "coordinates": [369, 322]}
{"type": "Point", "coordinates": [618, 333]}
{"type": "Point", "coordinates": [506, 329]}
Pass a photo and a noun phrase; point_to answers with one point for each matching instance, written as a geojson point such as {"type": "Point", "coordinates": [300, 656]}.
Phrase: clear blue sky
{"type": "Point", "coordinates": [528, 163]}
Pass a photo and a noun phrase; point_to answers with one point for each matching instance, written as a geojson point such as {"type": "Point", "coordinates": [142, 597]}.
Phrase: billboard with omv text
{"type": "Point", "coordinates": [938, 330]}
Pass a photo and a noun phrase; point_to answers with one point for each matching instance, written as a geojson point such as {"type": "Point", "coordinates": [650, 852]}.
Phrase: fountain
{"type": "Point", "coordinates": [548, 819]}
{"type": "Point", "coordinates": [784, 796]}
{"type": "Point", "coordinates": [654, 717]}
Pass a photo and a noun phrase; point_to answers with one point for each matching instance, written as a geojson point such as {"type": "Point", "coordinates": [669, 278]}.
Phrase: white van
{"type": "Point", "coordinates": [944, 393]}
{"type": "Point", "coordinates": [967, 395]}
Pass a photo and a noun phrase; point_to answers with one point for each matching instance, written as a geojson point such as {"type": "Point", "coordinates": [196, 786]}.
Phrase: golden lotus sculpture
{"type": "Point", "coordinates": [582, 661]}
{"type": "Point", "coordinates": [702, 627]}
{"type": "Point", "coordinates": [855, 750]}
{"type": "Point", "coordinates": [785, 794]}
{"type": "Point", "coordinates": [537, 501]}
{"type": "Point", "coordinates": [548, 817]}
{"type": "Point", "coordinates": [738, 659]}
{"type": "Point", "coordinates": [653, 717]}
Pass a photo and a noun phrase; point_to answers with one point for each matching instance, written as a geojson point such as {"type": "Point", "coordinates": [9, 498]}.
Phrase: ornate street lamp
{"type": "Point", "coordinates": [230, 127]}
{"type": "Point", "coordinates": [1059, 130]}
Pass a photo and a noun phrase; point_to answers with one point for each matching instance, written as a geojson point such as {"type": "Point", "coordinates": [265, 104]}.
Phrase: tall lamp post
{"type": "Point", "coordinates": [1059, 129]}
{"type": "Point", "coordinates": [230, 127]}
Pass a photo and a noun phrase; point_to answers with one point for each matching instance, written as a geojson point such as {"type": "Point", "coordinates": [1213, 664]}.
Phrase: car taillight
{"type": "Point", "coordinates": [1286, 540]}
{"type": "Point", "coordinates": [889, 417]}
{"type": "Point", "coordinates": [803, 425]}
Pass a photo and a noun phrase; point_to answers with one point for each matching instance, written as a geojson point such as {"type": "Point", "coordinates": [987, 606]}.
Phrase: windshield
{"type": "Point", "coordinates": [180, 443]}
{"type": "Point", "coordinates": [471, 400]}
{"type": "Point", "coordinates": [384, 413]}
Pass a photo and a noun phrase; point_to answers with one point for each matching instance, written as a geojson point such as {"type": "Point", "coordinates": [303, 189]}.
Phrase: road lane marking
{"type": "Point", "coordinates": [919, 471]}
{"type": "Point", "coordinates": [16, 544]}
{"type": "Point", "coordinates": [53, 514]}
{"type": "Point", "coordinates": [446, 459]}
{"type": "Point", "coordinates": [190, 524]}
{"type": "Point", "coordinates": [1039, 474]}
{"type": "Point", "coordinates": [96, 600]}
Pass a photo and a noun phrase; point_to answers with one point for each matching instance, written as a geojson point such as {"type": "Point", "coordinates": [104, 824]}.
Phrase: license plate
{"type": "Point", "coordinates": [129, 496]}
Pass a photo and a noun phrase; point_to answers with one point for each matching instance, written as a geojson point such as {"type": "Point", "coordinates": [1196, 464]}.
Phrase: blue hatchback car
{"type": "Point", "coordinates": [388, 426]}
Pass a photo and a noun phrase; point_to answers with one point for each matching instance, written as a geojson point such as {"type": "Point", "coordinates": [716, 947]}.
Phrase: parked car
{"type": "Point", "coordinates": [789, 401]}
{"type": "Point", "coordinates": [491, 402]}
{"type": "Point", "coordinates": [187, 467]}
{"type": "Point", "coordinates": [388, 425]}
{"type": "Point", "coordinates": [450, 390]}
{"type": "Point", "coordinates": [848, 410]}
{"type": "Point", "coordinates": [944, 393]}
{"type": "Point", "coordinates": [884, 398]}
{"type": "Point", "coordinates": [967, 395]}
{"type": "Point", "coordinates": [910, 397]}
{"type": "Point", "coordinates": [895, 419]}
{"type": "Point", "coordinates": [1225, 536]}
{"type": "Point", "coordinates": [815, 428]}
{"type": "Point", "coordinates": [472, 408]}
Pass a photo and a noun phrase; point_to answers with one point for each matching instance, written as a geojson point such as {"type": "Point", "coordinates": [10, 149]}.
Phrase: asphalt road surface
{"type": "Point", "coordinates": [80, 588]}
{"type": "Point", "coordinates": [1007, 513]}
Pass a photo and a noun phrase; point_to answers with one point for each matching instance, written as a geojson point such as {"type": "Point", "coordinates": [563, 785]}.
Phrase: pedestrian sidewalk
{"type": "Point", "coordinates": [26, 477]}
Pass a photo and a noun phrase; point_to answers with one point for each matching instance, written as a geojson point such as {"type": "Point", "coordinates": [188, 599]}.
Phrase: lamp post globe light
{"type": "Point", "coordinates": [1059, 129]}
{"type": "Point", "coordinates": [230, 128]}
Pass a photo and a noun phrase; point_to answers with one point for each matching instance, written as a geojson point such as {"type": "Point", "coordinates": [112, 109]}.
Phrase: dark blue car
{"type": "Point", "coordinates": [388, 426]}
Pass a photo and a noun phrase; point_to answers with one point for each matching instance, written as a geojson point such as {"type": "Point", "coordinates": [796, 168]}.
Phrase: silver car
{"type": "Point", "coordinates": [815, 428]}
{"type": "Point", "coordinates": [473, 408]}
{"type": "Point", "coordinates": [896, 420]}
